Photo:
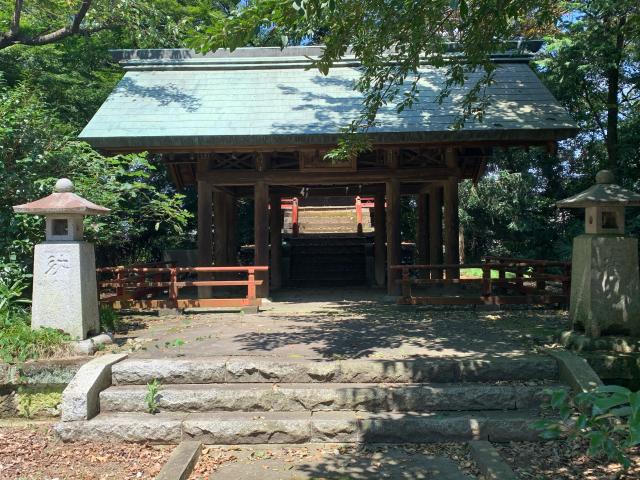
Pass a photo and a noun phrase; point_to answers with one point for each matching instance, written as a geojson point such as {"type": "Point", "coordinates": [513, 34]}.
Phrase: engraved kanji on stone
{"type": "Point", "coordinates": [55, 263]}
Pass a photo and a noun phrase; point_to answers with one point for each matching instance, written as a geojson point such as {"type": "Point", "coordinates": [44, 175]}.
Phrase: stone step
{"type": "Point", "coordinates": [232, 428]}
{"type": "Point", "coordinates": [255, 370]}
{"type": "Point", "coordinates": [293, 397]}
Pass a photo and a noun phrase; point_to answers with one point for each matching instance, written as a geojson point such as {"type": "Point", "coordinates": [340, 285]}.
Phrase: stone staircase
{"type": "Point", "coordinates": [235, 400]}
{"type": "Point", "coordinates": [332, 219]}
{"type": "Point", "coordinates": [328, 261]}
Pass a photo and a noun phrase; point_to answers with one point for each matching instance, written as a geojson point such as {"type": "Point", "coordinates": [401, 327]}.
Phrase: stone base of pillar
{"type": "Point", "coordinates": [64, 288]}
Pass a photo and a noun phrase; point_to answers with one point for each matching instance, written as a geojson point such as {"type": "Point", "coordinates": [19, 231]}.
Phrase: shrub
{"type": "Point", "coordinates": [109, 319]}
{"type": "Point", "coordinates": [608, 416]}
{"type": "Point", "coordinates": [17, 341]}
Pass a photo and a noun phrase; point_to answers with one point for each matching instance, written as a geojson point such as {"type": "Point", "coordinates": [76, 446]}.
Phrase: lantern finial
{"type": "Point", "coordinates": [63, 185]}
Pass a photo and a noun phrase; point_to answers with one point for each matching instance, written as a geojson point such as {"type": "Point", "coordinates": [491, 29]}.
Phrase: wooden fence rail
{"type": "Point", "coordinates": [520, 281]}
{"type": "Point", "coordinates": [131, 287]}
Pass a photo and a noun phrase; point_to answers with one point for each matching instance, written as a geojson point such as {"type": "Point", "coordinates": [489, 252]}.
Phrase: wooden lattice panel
{"type": "Point", "coordinates": [421, 157]}
{"type": "Point", "coordinates": [233, 161]}
{"type": "Point", "coordinates": [284, 161]}
{"type": "Point", "coordinates": [371, 159]}
{"type": "Point", "coordinates": [315, 161]}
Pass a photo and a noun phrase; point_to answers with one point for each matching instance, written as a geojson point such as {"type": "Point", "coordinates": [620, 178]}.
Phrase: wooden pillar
{"type": "Point", "coordinates": [435, 228]}
{"type": "Point", "coordinates": [220, 230]}
{"type": "Point", "coordinates": [232, 230]}
{"type": "Point", "coordinates": [422, 240]}
{"type": "Point", "coordinates": [205, 237]}
{"type": "Point", "coordinates": [451, 220]}
{"type": "Point", "coordinates": [380, 234]}
{"type": "Point", "coordinates": [261, 233]}
{"type": "Point", "coordinates": [275, 230]}
{"type": "Point", "coordinates": [393, 235]}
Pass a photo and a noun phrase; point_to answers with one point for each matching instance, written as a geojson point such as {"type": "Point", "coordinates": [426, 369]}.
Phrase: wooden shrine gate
{"type": "Point", "coordinates": [519, 281]}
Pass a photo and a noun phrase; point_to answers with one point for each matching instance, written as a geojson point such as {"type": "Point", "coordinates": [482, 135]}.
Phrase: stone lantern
{"type": "Point", "coordinates": [605, 285]}
{"type": "Point", "coordinates": [64, 271]}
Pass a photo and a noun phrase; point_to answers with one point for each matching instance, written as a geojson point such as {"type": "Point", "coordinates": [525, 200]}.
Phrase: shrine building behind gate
{"type": "Point", "coordinates": [257, 123]}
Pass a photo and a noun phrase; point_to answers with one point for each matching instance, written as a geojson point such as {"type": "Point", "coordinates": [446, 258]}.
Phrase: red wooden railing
{"type": "Point", "coordinates": [135, 287]}
{"type": "Point", "coordinates": [528, 285]}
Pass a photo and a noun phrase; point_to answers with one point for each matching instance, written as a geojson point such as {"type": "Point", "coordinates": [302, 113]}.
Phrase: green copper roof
{"type": "Point", "coordinates": [265, 96]}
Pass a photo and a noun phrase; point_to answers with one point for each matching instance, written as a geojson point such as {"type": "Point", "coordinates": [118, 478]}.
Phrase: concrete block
{"type": "Point", "coordinates": [64, 288]}
{"type": "Point", "coordinates": [489, 461]}
{"type": "Point", "coordinates": [575, 371]}
{"type": "Point", "coordinates": [80, 400]}
{"type": "Point", "coordinates": [181, 462]}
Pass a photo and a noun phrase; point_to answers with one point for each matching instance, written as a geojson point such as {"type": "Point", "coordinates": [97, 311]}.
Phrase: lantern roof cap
{"type": "Point", "coordinates": [605, 193]}
{"type": "Point", "coordinates": [62, 201]}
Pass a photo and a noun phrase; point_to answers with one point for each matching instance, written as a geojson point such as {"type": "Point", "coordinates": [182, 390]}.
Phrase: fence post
{"type": "Point", "coordinates": [519, 281]}
{"type": "Point", "coordinates": [251, 288]}
{"type": "Point", "coordinates": [173, 288]}
{"type": "Point", "coordinates": [486, 281]}
{"type": "Point", "coordinates": [294, 216]}
{"type": "Point", "coordinates": [359, 214]}
{"type": "Point", "coordinates": [540, 284]}
{"type": "Point", "coordinates": [120, 287]}
{"type": "Point", "coordinates": [406, 283]}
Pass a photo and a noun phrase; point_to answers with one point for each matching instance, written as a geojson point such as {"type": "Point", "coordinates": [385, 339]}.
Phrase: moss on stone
{"type": "Point", "coordinates": [40, 402]}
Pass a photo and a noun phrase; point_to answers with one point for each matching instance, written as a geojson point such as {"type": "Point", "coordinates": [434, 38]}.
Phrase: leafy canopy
{"type": "Point", "coordinates": [391, 38]}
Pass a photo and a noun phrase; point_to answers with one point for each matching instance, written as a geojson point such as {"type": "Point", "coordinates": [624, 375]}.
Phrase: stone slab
{"type": "Point", "coordinates": [293, 397]}
{"type": "Point", "coordinates": [615, 366]}
{"type": "Point", "coordinates": [579, 342]}
{"type": "Point", "coordinates": [41, 372]}
{"type": "Point", "coordinates": [393, 463]}
{"type": "Point", "coordinates": [529, 367]}
{"type": "Point", "coordinates": [575, 371]}
{"type": "Point", "coordinates": [258, 370]}
{"type": "Point", "coordinates": [80, 399]}
{"type": "Point", "coordinates": [490, 462]}
{"type": "Point", "coordinates": [181, 462]}
{"type": "Point", "coordinates": [170, 371]}
{"type": "Point", "coordinates": [229, 428]}
{"type": "Point", "coordinates": [123, 427]}
{"type": "Point", "coordinates": [238, 428]}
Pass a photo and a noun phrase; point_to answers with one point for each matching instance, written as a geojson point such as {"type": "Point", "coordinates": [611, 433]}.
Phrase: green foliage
{"type": "Point", "coordinates": [608, 416]}
{"type": "Point", "coordinates": [32, 403]}
{"type": "Point", "coordinates": [151, 399]}
{"type": "Point", "coordinates": [37, 146]}
{"type": "Point", "coordinates": [109, 319]}
{"type": "Point", "coordinates": [17, 341]}
{"type": "Point", "coordinates": [409, 34]}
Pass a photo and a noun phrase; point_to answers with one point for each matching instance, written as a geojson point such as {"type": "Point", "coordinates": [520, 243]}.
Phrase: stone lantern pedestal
{"type": "Point", "coordinates": [605, 284]}
{"type": "Point", "coordinates": [64, 271]}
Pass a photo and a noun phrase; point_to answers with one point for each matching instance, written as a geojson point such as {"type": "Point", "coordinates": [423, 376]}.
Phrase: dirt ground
{"type": "Point", "coordinates": [31, 452]}
{"type": "Point", "coordinates": [564, 460]}
{"type": "Point", "coordinates": [335, 325]}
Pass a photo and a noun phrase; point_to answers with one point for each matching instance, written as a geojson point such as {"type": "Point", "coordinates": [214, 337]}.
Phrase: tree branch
{"type": "Point", "coordinates": [13, 36]}
{"type": "Point", "coordinates": [15, 20]}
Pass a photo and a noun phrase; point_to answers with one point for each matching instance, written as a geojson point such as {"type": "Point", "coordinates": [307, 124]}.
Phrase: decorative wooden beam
{"type": "Point", "coordinates": [275, 231]}
{"type": "Point", "coordinates": [451, 219]}
{"type": "Point", "coordinates": [379, 239]}
{"type": "Point", "coordinates": [435, 228]}
{"type": "Point", "coordinates": [393, 235]}
{"type": "Point", "coordinates": [261, 234]}
{"type": "Point", "coordinates": [422, 240]}
{"type": "Point", "coordinates": [284, 177]}
{"type": "Point", "coordinates": [205, 237]}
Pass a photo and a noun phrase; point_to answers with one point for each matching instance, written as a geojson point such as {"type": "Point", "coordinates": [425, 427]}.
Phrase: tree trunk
{"type": "Point", "coordinates": [613, 88]}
